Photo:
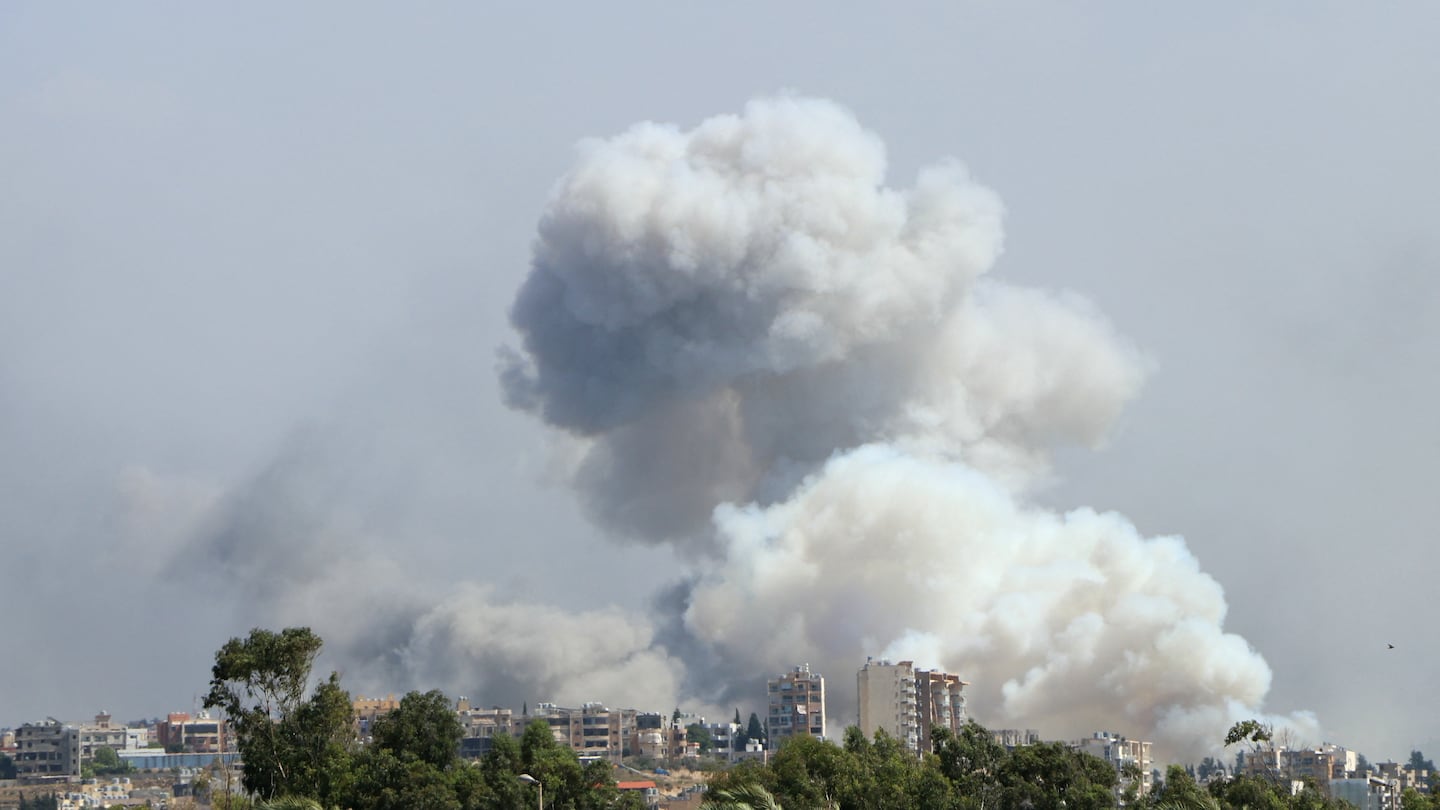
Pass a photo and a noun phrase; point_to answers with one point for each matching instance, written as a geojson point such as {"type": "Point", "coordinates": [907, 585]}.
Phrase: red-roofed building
{"type": "Point", "coordinates": [646, 788]}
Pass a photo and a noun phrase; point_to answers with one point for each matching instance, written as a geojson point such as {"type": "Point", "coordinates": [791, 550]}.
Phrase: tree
{"type": "Point", "coordinates": [105, 762]}
{"type": "Point", "coordinates": [413, 761]}
{"type": "Point", "coordinates": [755, 731]}
{"type": "Point", "coordinates": [697, 733]}
{"type": "Point", "coordinates": [1179, 792]}
{"type": "Point", "coordinates": [971, 761]}
{"type": "Point", "coordinates": [741, 797]}
{"type": "Point", "coordinates": [1251, 730]}
{"type": "Point", "coordinates": [423, 726]}
{"type": "Point", "coordinates": [290, 746]}
{"type": "Point", "coordinates": [1049, 776]}
{"type": "Point", "coordinates": [7, 767]}
{"type": "Point", "coordinates": [1418, 762]}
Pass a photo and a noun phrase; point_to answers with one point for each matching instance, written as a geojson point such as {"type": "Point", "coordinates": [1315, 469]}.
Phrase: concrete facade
{"type": "Point", "coordinates": [796, 705]}
{"type": "Point", "coordinates": [50, 748]}
{"type": "Point", "coordinates": [908, 703]}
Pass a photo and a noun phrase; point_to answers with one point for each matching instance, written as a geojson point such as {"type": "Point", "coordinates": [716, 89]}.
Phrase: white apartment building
{"type": "Point", "coordinates": [1121, 752]}
{"type": "Point", "coordinates": [908, 702]}
{"type": "Point", "coordinates": [797, 705]}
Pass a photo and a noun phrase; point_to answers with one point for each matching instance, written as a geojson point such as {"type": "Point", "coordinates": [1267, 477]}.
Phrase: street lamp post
{"type": "Point", "coordinates": [528, 779]}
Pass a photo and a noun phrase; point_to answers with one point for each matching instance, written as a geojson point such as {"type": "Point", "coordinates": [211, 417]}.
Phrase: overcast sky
{"type": "Point", "coordinates": [271, 248]}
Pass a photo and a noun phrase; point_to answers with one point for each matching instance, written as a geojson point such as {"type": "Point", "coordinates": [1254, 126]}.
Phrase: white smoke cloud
{"type": "Point", "coordinates": [799, 376]}
{"type": "Point", "coordinates": [1063, 622]}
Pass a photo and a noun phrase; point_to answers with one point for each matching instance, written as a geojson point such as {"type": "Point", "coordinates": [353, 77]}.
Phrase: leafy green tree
{"type": "Point", "coordinates": [1049, 776]}
{"type": "Point", "coordinates": [423, 726]}
{"type": "Point", "coordinates": [385, 780]}
{"type": "Point", "coordinates": [697, 733]}
{"type": "Point", "coordinates": [1418, 762]}
{"type": "Point", "coordinates": [971, 761]}
{"type": "Point", "coordinates": [569, 785]}
{"type": "Point", "coordinates": [7, 767]}
{"type": "Point", "coordinates": [105, 762]}
{"type": "Point", "coordinates": [1413, 799]}
{"type": "Point", "coordinates": [290, 745]}
{"type": "Point", "coordinates": [414, 761]}
{"type": "Point", "coordinates": [1248, 730]}
{"type": "Point", "coordinates": [1251, 793]}
{"type": "Point", "coordinates": [1180, 792]}
{"type": "Point", "coordinates": [807, 772]}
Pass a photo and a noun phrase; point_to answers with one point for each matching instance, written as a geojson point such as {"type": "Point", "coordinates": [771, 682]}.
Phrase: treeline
{"type": "Point", "coordinates": [970, 771]}
{"type": "Point", "coordinates": [299, 749]}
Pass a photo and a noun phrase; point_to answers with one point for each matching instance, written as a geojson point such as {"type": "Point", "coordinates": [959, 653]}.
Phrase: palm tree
{"type": "Point", "coordinates": [289, 803]}
{"type": "Point", "coordinates": [740, 797]}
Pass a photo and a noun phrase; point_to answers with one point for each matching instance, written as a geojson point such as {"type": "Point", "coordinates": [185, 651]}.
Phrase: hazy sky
{"type": "Point", "coordinates": [264, 255]}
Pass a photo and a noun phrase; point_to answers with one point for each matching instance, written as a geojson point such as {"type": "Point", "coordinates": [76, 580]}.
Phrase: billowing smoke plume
{"type": "Point", "coordinates": [799, 376]}
{"type": "Point", "coordinates": [801, 380]}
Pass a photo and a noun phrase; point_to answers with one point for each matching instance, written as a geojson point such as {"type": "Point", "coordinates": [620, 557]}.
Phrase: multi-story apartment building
{"type": "Point", "coordinates": [659, 737]}
{"type": "Point", "coordinates": [103, 734]}
{"type": "Point", "coordinates": [200, 734]}
{"type": "Point", "coordinates": [797, 705]}
{"type": "Point", "coordinates": [1129, 758]}
{"type": "Point", "coordinates": [592, 731]}
{"type": "Point", "coordinates": [47, 749]}
{"type": "Point", "coordinates": [482, 726]}
{"type": "Point", "coordinates": [724, 735]}
{"type": "Point", "coordinates": [907, 703]}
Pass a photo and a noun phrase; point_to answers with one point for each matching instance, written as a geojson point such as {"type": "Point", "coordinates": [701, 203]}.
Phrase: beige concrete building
{"type": "Point", "coordinates": [797, 705]}
{"type": "Point", "coordinates": [102, 734]}
{"type": "Point", "coordinates": [907, 703]}
{"type": "Point", "coordinates": [592, 731]}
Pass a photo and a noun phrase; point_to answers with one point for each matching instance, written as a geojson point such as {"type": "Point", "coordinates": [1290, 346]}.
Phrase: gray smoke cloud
{"type": "Point", "coordinates": [801, 378]}
{"type": "Point", "coordinates": [293, 545]}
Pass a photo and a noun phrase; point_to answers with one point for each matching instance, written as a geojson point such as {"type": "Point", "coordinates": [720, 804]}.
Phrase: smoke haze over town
{"type": "Point", "coordinates": [551, 355]}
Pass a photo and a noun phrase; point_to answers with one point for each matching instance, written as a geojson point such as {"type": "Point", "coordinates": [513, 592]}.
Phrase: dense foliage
{"type": "Point", "coordinates": [301, 751]}
{"type": "Point", "coordinates": [969, 771]}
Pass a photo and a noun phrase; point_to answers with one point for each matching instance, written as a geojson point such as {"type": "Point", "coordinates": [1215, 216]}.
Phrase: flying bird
{"type": "Point", "coordinates": [1389, 646]}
